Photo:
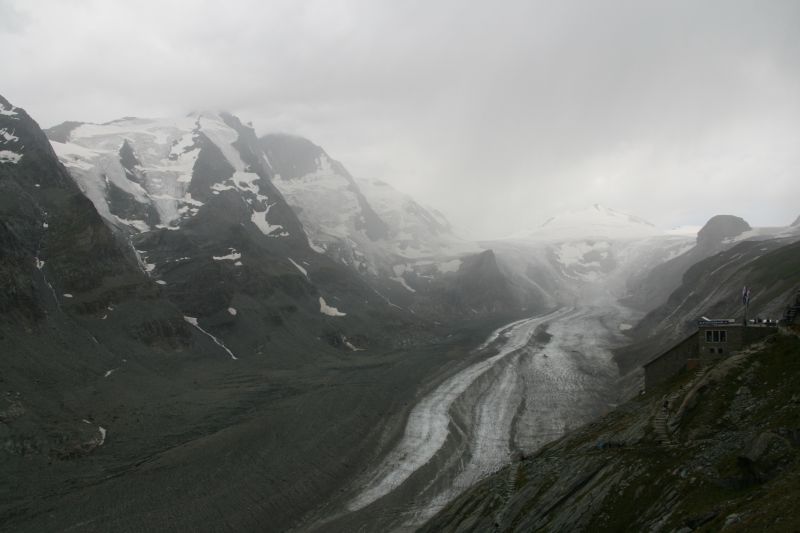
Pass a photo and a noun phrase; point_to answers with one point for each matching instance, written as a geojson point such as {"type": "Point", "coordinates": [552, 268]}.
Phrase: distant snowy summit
{"type": "Point", "coordinates": [596, 221]}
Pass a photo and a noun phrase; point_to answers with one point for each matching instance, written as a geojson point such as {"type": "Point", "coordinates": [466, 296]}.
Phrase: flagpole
{"type": "Point", "coordinates": [746, 302]}
{"type": "Point", "coordinates": [746, 306]}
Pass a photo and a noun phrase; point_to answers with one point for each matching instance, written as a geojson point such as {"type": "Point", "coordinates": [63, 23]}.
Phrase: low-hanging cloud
{"type": "Point", "coordinates": [499, 113]}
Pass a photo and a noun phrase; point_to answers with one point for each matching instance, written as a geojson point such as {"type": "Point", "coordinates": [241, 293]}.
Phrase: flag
{"type": "Point", "coordinates": [745, 295]}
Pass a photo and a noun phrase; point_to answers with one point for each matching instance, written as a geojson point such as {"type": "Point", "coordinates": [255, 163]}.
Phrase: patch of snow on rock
{"type": "Point", "coordinates": [193, 321]}
{"type": "Point", "coordinates": [259, 218]}
{"type": "Point", "coordinates": [326, 309]}
{"type": "Point", "coordinates": [7, 137]}
{"type": "Point", "coordinates": [7, 156]}
{"type": "Point", "coordinates": [7, 111]}
{"type": "Point", "coordinates": [233, 256]}
{"type": "Point", "coordinates": [301, 269]}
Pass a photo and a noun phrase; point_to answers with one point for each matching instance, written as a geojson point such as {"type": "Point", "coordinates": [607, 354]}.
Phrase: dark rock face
{"type": "Point", "coordinates": [125, 206]}
{"type": "Point", "coordinates": [45, 218]}
{"type": "Point", "coordinates": [211, 167]}
{"type": "Point", "coordinates": [481, 285]}
{"type": "Point", "coordinates": [61, 132]}
{"type": "Point", "coordinates": [290, 156]}
{"type": "Point", "coordinates": [128, 159]}
{"type": "Point", "coordinates": [719, 228]}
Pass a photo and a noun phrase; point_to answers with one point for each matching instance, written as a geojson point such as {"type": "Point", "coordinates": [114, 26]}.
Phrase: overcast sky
{"type": "Point", "coordinates": [499, 113]}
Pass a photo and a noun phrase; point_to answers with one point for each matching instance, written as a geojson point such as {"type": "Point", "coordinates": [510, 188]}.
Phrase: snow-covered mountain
{"type": "Point", "coordinates": [596, 221]}
{"type": "Point", "coordinates": [325, 197]}
{"type": "Point", "coordinates": [587, 255]}
{"type": "Point", "coordinates": [398, 244]}
{"type": "Point", "coordinates": [194, 198]}
{"type": "Point", "coordinates": [163, 183]}
{"type": "Point", "coordinates": [148, 174]}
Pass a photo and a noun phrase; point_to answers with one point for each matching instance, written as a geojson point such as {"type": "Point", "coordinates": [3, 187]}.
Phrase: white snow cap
{"type": "Point", "coordinates": [596, 221]}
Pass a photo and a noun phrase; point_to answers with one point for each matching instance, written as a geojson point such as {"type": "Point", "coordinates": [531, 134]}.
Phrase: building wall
{"type": "Point", "coordinates": [670, 363]}
{"type": "Point", "coordinates": [696, 349]}
{"type": "Point", "coordinates": [716, 350]}
{"type": "Point", "coordinates": [738, 337]}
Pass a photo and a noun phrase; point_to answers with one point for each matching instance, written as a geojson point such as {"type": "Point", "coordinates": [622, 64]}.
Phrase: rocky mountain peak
{"type": "Point", "coordinates": [721, 227]}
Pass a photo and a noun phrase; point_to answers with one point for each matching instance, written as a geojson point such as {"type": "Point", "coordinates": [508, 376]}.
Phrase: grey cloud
{"type": "Point", "coordinates": [499, 113]}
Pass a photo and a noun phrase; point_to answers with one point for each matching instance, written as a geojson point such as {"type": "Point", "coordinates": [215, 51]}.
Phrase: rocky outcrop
{"type": "Point", "coordinates": [51, 235]}
{"type": "Point", "coordinates": [651, 290]}
{"type": "Point", "coordinates": [719, 228]}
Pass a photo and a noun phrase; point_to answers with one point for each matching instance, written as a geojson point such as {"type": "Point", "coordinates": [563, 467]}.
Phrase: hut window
{"type": "Point", "coordinates": [716, 335]}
